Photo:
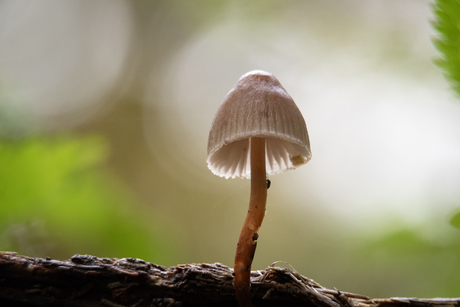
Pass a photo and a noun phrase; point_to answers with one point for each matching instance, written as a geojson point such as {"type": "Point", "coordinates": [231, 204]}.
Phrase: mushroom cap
{"type": "Point", "coordinates": [257, 106]}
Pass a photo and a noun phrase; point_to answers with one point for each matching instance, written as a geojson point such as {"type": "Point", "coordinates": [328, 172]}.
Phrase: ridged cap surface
{"type": "Point", "coordinates": [257, 106]}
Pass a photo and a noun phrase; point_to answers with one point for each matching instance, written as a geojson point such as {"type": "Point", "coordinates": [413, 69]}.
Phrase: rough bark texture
{"type": "Point", "coordinates": [86, 280]}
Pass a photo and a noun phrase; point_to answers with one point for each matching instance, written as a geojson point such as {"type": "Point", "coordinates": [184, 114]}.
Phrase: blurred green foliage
{"type": "Point", "coordinates": [57, 199]}
{"type": "Point", "coordinates": [418, 264]}
{"type": "Point", "coordinates": [447, 24]}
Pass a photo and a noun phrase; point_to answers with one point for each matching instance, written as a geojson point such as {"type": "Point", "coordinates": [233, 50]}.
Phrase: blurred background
{"type": "Point", "coordinates": [105, 109]}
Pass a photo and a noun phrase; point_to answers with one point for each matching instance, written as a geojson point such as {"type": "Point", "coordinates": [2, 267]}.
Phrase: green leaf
{"type": "Point", "coordinates": [447, 24]}
{"type": "Point", "coordinates": [455, 220]}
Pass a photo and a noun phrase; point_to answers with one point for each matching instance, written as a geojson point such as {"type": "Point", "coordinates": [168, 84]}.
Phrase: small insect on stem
{"type": "Point", "coordinates": [268, 184]}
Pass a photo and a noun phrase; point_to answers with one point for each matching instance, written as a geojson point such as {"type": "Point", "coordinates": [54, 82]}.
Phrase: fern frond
{"type": "Point", "coordinates": [447, 24]}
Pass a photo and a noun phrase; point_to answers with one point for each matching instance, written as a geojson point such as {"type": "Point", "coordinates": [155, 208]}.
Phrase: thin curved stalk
{"type": "Point", "coordinates": [248, 237]}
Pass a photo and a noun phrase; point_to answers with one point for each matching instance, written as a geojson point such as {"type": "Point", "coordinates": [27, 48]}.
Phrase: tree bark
{"type": "Point", "coordinates": [86, 280]}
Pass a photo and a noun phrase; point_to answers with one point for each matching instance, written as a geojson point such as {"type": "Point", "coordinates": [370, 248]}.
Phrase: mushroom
{"type": "Point", "coordinates": [258, 131]}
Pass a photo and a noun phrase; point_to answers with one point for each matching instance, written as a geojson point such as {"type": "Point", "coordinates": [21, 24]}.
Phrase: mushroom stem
{"type": "Point", "coordinates": [248, 236]}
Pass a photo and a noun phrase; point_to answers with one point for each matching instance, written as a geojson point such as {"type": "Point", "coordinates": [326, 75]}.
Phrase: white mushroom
{"type": "Point", "coordinates": [258, 106]}
{"type": "Point", "coordinates": [257, 131]}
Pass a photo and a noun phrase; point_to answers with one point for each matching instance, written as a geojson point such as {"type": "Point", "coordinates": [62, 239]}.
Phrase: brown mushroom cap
{"type": "Point", "coordinates": [257, 106]}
